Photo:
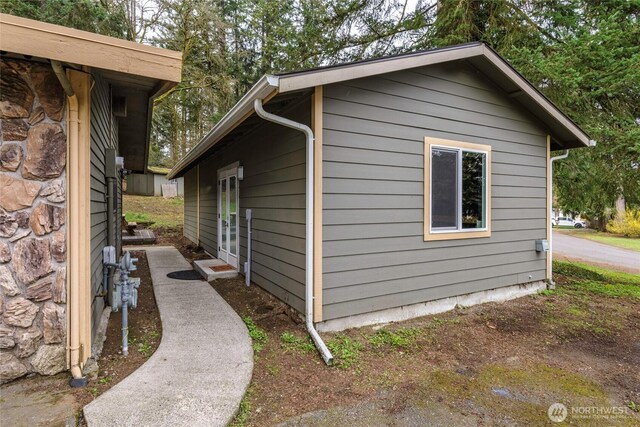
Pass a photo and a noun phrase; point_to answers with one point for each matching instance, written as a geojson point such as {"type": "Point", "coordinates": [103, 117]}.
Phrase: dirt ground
{"type": "Point", "coordinates": [145, 334]}
{"type": "Point", "coordinates": [492, 364]}
{"type": "Point", "coordinates": [173, 237]}
{"type": "Point", "coordinates": [49, 401]}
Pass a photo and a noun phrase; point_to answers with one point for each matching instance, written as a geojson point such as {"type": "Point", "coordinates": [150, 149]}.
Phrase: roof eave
{"type": "Point", "coordinates": [306, 79]}
{"type": "Point", "coordinates": [303, 80]}
{"type": "Point", "coordinates": [266, 87]}
{"type": "Point", "coordinates": [534, 94]}
{"type": "Point", "coordinates": [40, 39]}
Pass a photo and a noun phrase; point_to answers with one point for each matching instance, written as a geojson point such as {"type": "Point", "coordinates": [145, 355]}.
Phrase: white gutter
{"type": "Point", "coordinates": [551, 160]}
{"type": "Point", "coordinates": [262, 89]}
{"type": "Point", "coordinates": [320, 345]}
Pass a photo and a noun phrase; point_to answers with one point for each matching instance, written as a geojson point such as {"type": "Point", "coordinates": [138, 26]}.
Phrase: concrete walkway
{"type": "Point", "coordinates": [578, 249]}
{"type": "Point", "coordinates": [202, 368]}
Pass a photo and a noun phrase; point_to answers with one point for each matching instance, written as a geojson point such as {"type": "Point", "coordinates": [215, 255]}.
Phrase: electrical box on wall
{"type": "Point", "coordinates": [542, 245]}
{"type": "Point", "coordinates": [109, 255]}
{"type": "Point", "coordinates": [111, 169]}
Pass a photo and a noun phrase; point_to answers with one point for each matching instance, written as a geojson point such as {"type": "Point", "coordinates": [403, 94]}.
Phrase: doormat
{"type": "Point", "coordinates": [219, 268]}
{"type": "Point", "coordinates": [185, 275]}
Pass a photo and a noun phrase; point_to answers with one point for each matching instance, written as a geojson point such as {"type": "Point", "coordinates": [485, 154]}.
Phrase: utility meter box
{"type": "Point", "coordinates": [542, 245]}
{"type": "Point", "coordinates": [110, 169]}
{"type": "Point", "coordinates": [109, 255]}
{"type": "Point", "coordinates": [116, 296]}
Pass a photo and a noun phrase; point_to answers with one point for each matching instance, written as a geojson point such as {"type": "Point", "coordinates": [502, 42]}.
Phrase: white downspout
{"type": "Point", "coordinates": [551, 160]}
{"type": "Point", "coordinates": [320, 345]}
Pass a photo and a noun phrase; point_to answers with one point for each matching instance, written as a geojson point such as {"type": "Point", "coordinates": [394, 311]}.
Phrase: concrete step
{"type": "Point", "coordinates": [205, 268]}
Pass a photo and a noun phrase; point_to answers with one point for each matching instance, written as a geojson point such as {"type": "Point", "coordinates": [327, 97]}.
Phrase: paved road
{"type": "Point", "coordinates": [566, 246]}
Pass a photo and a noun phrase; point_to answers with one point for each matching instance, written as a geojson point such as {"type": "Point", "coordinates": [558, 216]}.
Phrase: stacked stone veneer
{"type": "Point", "coordinates": [33, 149]}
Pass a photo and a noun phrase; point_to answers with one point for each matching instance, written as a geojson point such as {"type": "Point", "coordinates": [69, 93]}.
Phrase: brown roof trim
{"type": "Point", "coordinates": [41, 39]}
{"type": "Point", "coordinates": [562, 128]}
{"type": "Point", "coordinates": [533, 99]}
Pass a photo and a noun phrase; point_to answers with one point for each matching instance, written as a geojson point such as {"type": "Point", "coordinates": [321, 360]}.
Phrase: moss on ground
{"type": "Point", "coordinates": [522, 395]}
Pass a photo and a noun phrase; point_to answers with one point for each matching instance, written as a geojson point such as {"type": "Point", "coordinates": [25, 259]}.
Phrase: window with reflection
{"type": "Point", "coordinates": [457, 188]}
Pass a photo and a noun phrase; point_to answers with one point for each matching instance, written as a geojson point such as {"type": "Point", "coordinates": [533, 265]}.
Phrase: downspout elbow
{"type": "Point", "coordinates": [317, 340]}
{"type": "Point", "coordinates": [561, 156]}
{"type": "Point", "coordinates": [62, 78]}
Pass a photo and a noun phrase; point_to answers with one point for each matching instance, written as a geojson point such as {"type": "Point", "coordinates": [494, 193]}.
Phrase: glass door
{"type": "Point", "coordinates": [228, 216]}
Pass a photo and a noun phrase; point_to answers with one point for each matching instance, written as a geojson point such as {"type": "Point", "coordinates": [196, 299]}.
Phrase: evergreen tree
{"type": "Point", "coordinates": [582, 54]}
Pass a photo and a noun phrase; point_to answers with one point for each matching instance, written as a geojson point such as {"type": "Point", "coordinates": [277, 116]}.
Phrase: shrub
{"type": "Point", "coordinates": [628, 226]}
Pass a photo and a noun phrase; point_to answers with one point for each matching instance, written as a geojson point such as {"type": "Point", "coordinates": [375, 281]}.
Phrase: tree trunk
{"type": "Point", "coordinates": [621, 207]}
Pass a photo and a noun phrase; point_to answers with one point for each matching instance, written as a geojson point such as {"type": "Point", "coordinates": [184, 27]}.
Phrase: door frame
{"type": "Point", "coordinates": [223, 173]}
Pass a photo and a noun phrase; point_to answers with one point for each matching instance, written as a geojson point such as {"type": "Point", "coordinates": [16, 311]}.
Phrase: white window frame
{"type": "Point", "coordinates": [225, 173]}
{"type": "Point", "coordinates": [458, 232]}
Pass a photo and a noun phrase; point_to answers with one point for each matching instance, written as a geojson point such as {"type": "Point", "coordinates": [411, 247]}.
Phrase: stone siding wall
{"type": "Point", "coordinates": [33, 248]}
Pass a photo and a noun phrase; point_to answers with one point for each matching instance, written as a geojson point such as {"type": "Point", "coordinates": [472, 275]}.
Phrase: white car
{"type": "Point", "coordinates": [568, 222]}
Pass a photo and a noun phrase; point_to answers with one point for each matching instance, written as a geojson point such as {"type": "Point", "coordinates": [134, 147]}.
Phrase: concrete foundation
{"type": "Point", "coordinates": [101, 333]}
{"type": "Point", "coordinates": [431, 307]}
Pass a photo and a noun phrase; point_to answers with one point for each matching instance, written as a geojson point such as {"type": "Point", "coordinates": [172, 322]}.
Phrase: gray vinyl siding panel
{"type": "Point", "coordinates": [374, 254]}
{"type": "Point", "coordinates": [273, 158]}
{"type": "Point", "coordinates": [208, 210]}
{"type": "Point", "coordinates": [103, 136]}
{"type": "Point", "coordinates": [141, 184]}
{"type": "Point", "coordinates": [190, 205]}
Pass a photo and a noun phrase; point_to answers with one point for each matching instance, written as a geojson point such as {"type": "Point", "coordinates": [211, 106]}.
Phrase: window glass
{"type": "Point", "coordinates": [232, 215]}
{"type": "Point", "coordinates": [473, 189]}
{"type": "Point", "coordinates": [232, 194]}
{"type": "Point", "coordinates": [233, 233]}
{"type": "Point", "coordinates": [457, 190]}
{"type": "Point", "coordinates": [444, 188]}
{"type": "Point", "coordinates": [223, 212]}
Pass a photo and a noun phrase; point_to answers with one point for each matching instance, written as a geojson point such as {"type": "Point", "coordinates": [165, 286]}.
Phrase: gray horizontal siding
{"type": "Point", "coordinates": [374, 254]}
{"type": "Point", "coordinates": [208, 210]}
{"type": "Point", "coordinates": [190, 205]}
{"type": "Point", "coordinates": [273, 158]}
{"type": "Point", "coordinates": [103, 136]}
{"type": "Point", "coordinates": [142, 184]}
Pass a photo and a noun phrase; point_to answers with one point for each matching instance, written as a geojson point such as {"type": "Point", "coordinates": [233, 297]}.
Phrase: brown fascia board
{"type": "Point", "coordinates": [485, 59]}
{"type": "Point", "coordinates": [492, 65]}
{"type": "Point", "coordinates": [44, 40]}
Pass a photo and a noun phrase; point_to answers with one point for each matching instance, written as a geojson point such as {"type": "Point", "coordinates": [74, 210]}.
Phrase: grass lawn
{"type": "Point", "coordinates": [606, 238]}
{"type": "Point", "coordinates": [163, 213]}
{"type": "Point", "coordinates": [490, 364]}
